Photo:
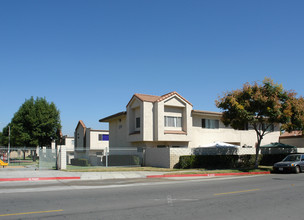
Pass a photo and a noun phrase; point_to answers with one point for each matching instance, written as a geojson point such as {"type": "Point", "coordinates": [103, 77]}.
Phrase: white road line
{"type": "Point", "coordinates": [62, 188]}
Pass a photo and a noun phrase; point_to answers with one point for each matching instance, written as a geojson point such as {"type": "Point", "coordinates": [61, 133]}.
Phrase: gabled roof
{"type": "Point", "coordinates": [147, 98]}
{"type": "Point", "coordinates": [198, 112]}
{"type": "Point", "coordinates": [106, 119]}
{"type": "Point", "coordinates": [153, 98]}
{"type": "Point", "coordinates": [292, 134]}
{"type": "Point", "coordinates": [277, 145]}
{"type": "Point", "coordinates": [80, 123]}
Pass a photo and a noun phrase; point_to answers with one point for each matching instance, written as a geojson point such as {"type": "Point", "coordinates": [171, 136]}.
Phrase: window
{"type": "Point", "coordinates": [137, 123]}
{"type": "Point", "coordinates": [173, 121]}
{"type": "Point", "coordinates": [103, 137]}
{"type": "Point", "coordinates": [268, 127]}
{"type": "Point", "coordinates": [161, 146]}
{"type": "Point", "coordinates": [245, 127]}
{"type": "Point", "coordinates": [210, 123]}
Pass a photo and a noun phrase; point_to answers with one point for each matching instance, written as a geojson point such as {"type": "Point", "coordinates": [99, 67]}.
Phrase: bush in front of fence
{"type": "Point", "coordinates": [270, 159]}
{"type": "Point", "coordinates": [208, 161]}
{"type": "Point", "coordinates": [80, 162]}
{"type": "Point", "coordinates": [122, 160]}
{"type": "Point", "coordinates": [226, 161]}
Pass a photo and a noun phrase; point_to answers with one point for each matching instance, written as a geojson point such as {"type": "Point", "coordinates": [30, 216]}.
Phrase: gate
{"type": "Point", "coordinates": [47, 159]}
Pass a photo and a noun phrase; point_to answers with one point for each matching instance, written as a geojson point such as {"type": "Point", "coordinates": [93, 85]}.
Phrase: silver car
{"type": "Point", "coordinates": [292, 163]}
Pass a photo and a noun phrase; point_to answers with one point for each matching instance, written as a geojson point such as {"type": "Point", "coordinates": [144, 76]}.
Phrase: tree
{"type": "Point", "coordinates": [36, 123]}
{"type": "Point", "coordinates": [262, 106]}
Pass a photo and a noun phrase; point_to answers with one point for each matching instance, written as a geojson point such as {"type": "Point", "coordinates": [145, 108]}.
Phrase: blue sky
{"type": "Point", "coordinates": [90, 56]}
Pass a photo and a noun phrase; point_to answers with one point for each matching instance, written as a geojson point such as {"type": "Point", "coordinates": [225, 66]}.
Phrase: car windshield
{"type": "Point", "coordinates": [292, 158]}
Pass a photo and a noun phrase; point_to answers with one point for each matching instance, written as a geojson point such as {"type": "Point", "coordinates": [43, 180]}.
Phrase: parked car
{"type": "Point", "coordinates": [292, 163]}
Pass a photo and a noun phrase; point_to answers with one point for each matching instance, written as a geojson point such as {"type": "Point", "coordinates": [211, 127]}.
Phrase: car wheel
{"type": "Point", "coordinates": [297, 169]}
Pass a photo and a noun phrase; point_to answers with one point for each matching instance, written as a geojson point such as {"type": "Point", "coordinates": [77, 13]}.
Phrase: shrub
{"type": "Point", "coordinates": [79, 162]}
{"type": "Point", "coordinates": [216, 161]}
{"type": "Point", "coordinates": [122, 160]}
{"type": "Point", "coordinates": [270, 159]}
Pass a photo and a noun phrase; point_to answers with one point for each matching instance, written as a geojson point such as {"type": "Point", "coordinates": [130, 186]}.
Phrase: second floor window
{"type": "Point", "coordinates": [103, 137]}
{"type": "Point", "coordinates": [210, 123]}
{"type": "Point", "coordinates": [173, 121]}
{"type": "Point", "coordinates": [137, 125]}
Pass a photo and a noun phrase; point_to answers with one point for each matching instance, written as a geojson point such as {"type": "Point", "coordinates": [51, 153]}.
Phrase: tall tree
{"type": "Point", "coordinates": [262, 106]}
{"type": "Point", "coordinates": [36, 123]}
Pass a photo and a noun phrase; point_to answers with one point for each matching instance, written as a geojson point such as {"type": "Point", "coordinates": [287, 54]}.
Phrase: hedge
{"type": "Point", "coordinates": [226, 161]}
{"type": "Point", "coordinates": [122, 160]}
{"type": "Point", "coordinates": [80, 162]}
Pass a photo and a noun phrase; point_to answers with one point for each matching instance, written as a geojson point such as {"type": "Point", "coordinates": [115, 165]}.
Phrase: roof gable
{"type": "Point", "coordinates": [153, 98]}
{"type": "Point", "coordinates": [168, 95]}
{"type": "Point", "coordinates": [80, 123]}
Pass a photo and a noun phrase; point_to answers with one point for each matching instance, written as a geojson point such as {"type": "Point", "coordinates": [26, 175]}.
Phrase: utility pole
{"type": "Point", "coordinates": [9, 144]}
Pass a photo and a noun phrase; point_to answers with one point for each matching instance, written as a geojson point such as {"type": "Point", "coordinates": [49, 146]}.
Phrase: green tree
{"type": "Point", "coordinates": [36, 123]}
{"type": "Point", "coordinates": [2, 139]}
{"type": "Point", "coordinates": [262, 106]}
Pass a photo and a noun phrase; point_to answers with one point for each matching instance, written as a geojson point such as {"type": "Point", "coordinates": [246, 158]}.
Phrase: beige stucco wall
{"type": "Point", "coordinates": [204, 136]}
{"type": "Point", "coordinates": [134, 109]}
{"type": "Point", "coordinates": [157, 157]}
{"type": "Point", "coordinates": [79, 137]}
{"type": "Point", "coordinates": [69, 144]}
{"type": "Point", "coordinates": [160, 114]}
{"type": "Point", "coordinates": [118, 133]}
{"type": "Point", "coordinates": [147, 122]}
{"type": "Point", "coordinates": [294, 141]}
{"type": "Point", "coordinates": [93, 142]}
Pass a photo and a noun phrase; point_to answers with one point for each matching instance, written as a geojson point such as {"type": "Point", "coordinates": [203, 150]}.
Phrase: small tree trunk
{"type": "Point", "coordinates": [257, 150]}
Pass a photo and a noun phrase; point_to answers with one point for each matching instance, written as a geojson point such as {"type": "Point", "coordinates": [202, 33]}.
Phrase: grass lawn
{"type": "Point", "coordinates": [22, 163]}
{"type": "Point", "coordinates": [71, 168]}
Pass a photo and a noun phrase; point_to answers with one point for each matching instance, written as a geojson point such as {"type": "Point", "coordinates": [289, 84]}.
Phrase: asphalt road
{"type": "Point", "coordinates": [278, 196]}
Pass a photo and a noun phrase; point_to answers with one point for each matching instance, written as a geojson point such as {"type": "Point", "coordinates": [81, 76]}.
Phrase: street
{"type": "Point", "coordinates": [275, 196]}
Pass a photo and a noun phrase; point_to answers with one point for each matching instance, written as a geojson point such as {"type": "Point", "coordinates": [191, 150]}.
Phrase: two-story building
{"type": "Point", "coordinates": [90, 144]}
{"type": "Point", "coordinates": [169, 121]}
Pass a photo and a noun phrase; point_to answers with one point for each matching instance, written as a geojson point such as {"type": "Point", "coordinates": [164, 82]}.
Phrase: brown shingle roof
{"type": "Point", "coordinates": [163, 97]}
{"type": "Point", "coordinates": [199, 112]}
{"type": "Point", "coordinates": [291, 134]}
{"type": "Point", "coordinates": [81, 123]}
{"type": "Point", "coordinates": [154, 98]}
{"type": "Point", "coordinates": [106, 119]}
{"type": "Point", "coordinates": [147, 98]}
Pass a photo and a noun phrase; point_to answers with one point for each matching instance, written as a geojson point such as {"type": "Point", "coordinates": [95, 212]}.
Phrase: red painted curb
{"type": "Point", "coordinates": [40, 178]}
{"type": "Point", "coordinates": [209, 174]}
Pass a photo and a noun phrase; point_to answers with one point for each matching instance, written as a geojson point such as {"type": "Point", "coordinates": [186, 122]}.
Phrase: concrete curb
{"type": "Point", "coordinates": [209, 174]}
{"type": "Point", "coordinates": [121, 176]}
{"type": "Point", "coordinates": [40, 178]}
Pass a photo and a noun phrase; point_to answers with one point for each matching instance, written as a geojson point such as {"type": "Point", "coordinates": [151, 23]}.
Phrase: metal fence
{"type": "Point", "coordinates": [47, 159]}
{"type": "Point", "coordinates": [105, 157]}
{"type": "Point", "coordinates": [23, 157]}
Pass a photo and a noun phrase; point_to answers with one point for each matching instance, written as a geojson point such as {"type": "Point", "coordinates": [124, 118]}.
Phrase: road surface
{"type": "Point", "coordinates": [278, 196]}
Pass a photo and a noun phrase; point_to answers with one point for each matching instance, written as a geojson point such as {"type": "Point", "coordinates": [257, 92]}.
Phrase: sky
{"type": "Point", "coordinates": [90, 56]}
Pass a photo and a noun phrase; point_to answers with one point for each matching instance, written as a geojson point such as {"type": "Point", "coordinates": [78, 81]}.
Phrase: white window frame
{"type": "Point", "coordinates": [210, 123]}
{"type": "Point", "coordinates": [173, 121]}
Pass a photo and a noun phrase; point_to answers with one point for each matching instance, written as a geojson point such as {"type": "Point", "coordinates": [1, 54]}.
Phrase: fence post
{"type": "Point", "coordinates": [63, 157]}
{"type": "Point", "coordinates": [106, 149]}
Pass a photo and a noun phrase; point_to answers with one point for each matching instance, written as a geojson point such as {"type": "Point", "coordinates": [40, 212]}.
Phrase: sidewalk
{"type": "Point", "coordinates": [37, 175]}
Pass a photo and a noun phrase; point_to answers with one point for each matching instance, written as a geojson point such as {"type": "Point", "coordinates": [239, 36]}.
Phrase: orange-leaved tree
{"type": "Point", "coordinates": [262, 106]}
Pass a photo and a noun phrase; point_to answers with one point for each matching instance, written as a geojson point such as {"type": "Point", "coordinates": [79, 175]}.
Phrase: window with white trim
{"type": "Point", "coordinates": [210, 123]}
{"type": "Point", "coordinates": [171, 121]}
{"type": "Point", "coordinates": [137, 123]}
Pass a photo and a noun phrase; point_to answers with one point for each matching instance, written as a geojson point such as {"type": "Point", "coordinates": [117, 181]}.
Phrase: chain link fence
{"type": "Point", "coordinates": [106, 158]}
{"type": "Point", "coordinates": [22, 157]}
